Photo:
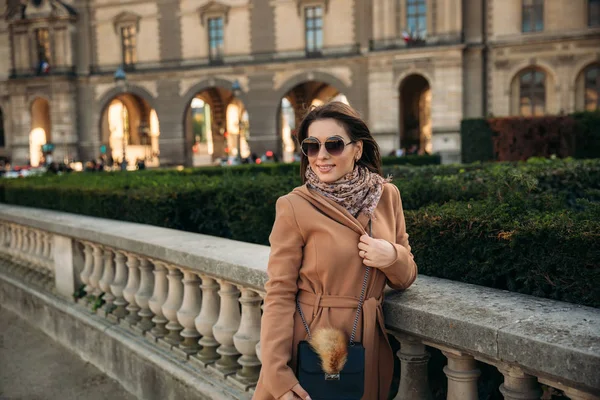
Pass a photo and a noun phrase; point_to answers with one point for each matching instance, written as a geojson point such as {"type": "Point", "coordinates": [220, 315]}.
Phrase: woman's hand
{"type": "Point", "coordinates": [377, 253]}
{"type": "Point", "coordinates": [296, 393]}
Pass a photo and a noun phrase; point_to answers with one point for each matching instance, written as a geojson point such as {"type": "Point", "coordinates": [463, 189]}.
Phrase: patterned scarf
{"type": "Point", "coordinates": [357, 191]}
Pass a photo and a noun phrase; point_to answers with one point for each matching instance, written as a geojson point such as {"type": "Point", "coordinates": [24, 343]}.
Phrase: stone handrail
{"type": "Point", "coordinates": [200, 297]}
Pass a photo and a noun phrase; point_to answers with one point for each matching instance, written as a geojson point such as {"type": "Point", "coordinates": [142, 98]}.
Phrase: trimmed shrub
{"type": "Point", "coordinates": [434, 159]}
{"type": "Point", "coordinates": [527, 227]}
{"type": "Point", "coordinates": [517, 139]}
{"type": "Point", "coordinates": [588, 134]}
{"type": "Point", "coordinates": [476, 140]}
{"type": "Point", "coordinates": [554, 255]}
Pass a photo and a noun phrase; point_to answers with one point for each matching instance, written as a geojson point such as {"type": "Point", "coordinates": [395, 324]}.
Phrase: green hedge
{"type": "Point", "coordinates": [283, 168]}
{"type": "Point", "coordinates": [476, 141]}
{"type": "Point", "coordinates": [526, 227]}
{"type": "Point", "coordinates": [516, 136]}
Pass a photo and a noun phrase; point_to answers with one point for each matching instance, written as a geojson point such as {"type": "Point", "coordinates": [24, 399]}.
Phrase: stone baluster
{"type": "Point", "coordinates": [48, 249]}
{"type": "Point", "coordinates": [40, 254]}
{"type": "Point", "coordinates": [462, 373]}
{"type": "Point", "coordinates": [172, 305]}
{"type": "Point", "coordinates": [144, 294]}
{"type": "Point", "coordinates": [226, 326]}
{"type": "Point", "coordinates": [206, 320]}
{"type": "Point", "coordinates": [19, 242]}
{"type": "Point", "coordinates": [107, 279]}
{"type": "Point", "coordinates": [97, 269]}
{"type": "Point", "coordinates": [118, 286]}
{"type": "Point", "coordinates": [36, 247]}
{"type": "Point", "coordinates": [19, 246]}
{"type": "Point", "coordinates": [37, 272]}
{"type": "Point", "coordinates": [87, 267]}
{"type": "Point", "coordinates": [413, 369]}
{"type": "Point", "coordinates": [575, 394]}
{"type": "Point", "coordinates": [518, 385]}
{"type": "Point", "coordinates": [43, 241]}
{"type": "Point", "coordinates": [189, 310]}
{"type": "Point", "coordinates": [247, 337]}
{"type": "Point", "coordinates": [25, 249]}
{"type": "Point", "coordinates": [12, 243]}
{"type": "Point", "coordinates": [10, 230]}
{"type": "Point", "coordinates": [24, 241]}
{"type": "Point", "coordinates": [133, 285]}
{"type": "Point", "coordinates": [12, 235]}
{"type": "Point", "coordinates": [158, 300]}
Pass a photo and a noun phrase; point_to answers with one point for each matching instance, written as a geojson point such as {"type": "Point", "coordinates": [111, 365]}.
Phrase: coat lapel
{"type": "Point", "coordinates": [333, 210]}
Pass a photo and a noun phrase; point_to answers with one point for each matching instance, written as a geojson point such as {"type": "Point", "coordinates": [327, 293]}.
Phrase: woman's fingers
{"type": "Point", "coordinates": [300, 392]}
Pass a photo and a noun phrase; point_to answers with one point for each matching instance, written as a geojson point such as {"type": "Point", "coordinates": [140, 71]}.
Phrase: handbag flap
{"type": "Point", "coordinates": [310, 362]}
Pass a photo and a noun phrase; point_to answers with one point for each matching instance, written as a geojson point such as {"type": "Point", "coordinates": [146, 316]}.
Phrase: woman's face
{"type": "Point", "coordinates": [327, 167]}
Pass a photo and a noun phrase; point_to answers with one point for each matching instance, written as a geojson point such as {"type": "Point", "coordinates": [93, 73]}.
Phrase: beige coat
{"type": "Point", "coordinates": [314, 254]}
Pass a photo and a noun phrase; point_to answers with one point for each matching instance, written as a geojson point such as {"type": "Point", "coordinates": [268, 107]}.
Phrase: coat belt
{"type": "Point", "coordinates": [372, 321]}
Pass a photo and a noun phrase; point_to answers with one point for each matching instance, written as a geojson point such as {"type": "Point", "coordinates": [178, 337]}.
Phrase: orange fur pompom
{"type": "Point", "coordinates": [332, 347]}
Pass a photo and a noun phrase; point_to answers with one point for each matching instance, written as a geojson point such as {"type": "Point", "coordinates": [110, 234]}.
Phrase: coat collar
{"type": "Point", "coordinates": [333, 210]}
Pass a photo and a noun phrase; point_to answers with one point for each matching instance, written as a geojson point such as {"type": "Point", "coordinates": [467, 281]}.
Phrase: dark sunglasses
{"type": "Point", "coordinates": [334, 145]}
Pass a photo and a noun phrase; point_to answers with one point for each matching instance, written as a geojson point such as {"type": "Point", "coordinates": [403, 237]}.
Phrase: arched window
{"type": "Point", "coordinates": [592, 88]}
{"type": "Point", "coordinates": [532, 93]}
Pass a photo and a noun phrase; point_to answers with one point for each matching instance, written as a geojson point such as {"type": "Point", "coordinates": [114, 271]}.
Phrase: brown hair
{"type": "Point", "coordinates": [354, 126]}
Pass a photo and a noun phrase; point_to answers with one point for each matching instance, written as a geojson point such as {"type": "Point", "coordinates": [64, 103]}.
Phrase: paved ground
{"type": "Point", "coordinates": [34, 367]}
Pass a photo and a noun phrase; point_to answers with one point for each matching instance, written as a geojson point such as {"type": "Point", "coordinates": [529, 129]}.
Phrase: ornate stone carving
{"type": "Point", "coordinates": [214, 8]}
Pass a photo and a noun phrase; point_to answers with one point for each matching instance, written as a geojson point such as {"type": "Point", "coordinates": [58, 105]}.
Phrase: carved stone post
{"type": "Point", "coordinates": [106, 281]}
{"type": "Point", "coordinates": [190, 308]}
{"type": "Point", "coordinates": [518, 385]}
{"type": "Point", "coordinates": [96, 274]}
{"type": "Point", "coordinates": [413, 369]}
{"type": "Point", "coordinates": [206, 320]}
{"type": "Point", "coordinates": [118, 286]}
{"type": "Point", "coordinates": [226, 326]}
{"type": "Point", "coordinates": [87, 267]}
{"type": "Point", "coordinates": [172, 305]}
{"type": "Point", "coordinates": [246, 338]}
{"type": "Point", "coordinates": [143, 295]}
{"type": "Point", "coordinates": [133, 285]}
{"type": "Point", "coordinates": [462, 375]}
{"type": "Point", "coordinates": [158, 300]}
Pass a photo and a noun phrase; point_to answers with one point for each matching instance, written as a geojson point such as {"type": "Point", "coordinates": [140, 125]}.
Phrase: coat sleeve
{"type": "Point", "coordinates": [277, 327]}
{"type": "Point", "coordinates": [403, 271]}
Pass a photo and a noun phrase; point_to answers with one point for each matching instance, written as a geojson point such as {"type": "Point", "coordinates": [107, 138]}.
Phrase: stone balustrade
{"type": "Point", "coordinates": [199, 298]}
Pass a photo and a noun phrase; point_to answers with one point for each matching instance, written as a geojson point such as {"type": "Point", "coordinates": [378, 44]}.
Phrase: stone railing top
{"type": "Point", "coordinates": [546, 338]}
{"type": "Point", "coordinates": [235, 261]}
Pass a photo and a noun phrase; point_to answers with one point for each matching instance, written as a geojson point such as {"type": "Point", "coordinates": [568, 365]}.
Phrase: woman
{"type": "Point", "coordinates": [320, 247]}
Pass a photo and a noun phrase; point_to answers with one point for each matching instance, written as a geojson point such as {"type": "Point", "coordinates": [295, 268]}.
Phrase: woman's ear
{"type": "Point", "coordinates": [359, 148]}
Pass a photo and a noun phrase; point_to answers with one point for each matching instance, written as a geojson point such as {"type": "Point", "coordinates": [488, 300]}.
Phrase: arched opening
{"type": "Point", "coordinates": [216, 128]}
{"type": "Point", "coordinates": [415, 115]}
{"type": "Point", "coordinates": [292, 108]}
{"type": "Point", "coordinates": [40, 133]}
{"type": "Point", "coordinates": [130, 130]}
{"type": "Point", "coordinates": [587, 90]}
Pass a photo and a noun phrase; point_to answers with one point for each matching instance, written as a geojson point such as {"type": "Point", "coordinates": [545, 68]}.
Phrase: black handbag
{"type": "Point", "coordinates": [349, 384]}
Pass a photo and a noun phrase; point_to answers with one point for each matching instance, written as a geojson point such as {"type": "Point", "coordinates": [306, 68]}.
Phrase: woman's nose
{"type": "Point", "coordinates": [323, 154]}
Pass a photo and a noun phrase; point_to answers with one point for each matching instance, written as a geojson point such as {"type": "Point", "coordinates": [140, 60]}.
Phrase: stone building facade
{"type": "Point", "coordinates": [412, 68]}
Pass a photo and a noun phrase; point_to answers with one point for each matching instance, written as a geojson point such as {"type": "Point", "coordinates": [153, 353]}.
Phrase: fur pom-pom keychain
{"type": "Point", "coordinates": [332, 347]}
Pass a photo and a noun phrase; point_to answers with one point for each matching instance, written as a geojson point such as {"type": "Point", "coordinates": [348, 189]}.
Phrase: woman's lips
{"type": "Point", "coordinates": [325, 168]}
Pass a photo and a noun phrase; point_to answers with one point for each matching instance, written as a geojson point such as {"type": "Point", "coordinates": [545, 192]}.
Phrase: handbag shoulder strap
{"type": "Point", "coordinates": [361, 300]}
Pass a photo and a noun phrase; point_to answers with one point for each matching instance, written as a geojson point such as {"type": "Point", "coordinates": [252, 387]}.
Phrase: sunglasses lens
{"type": "Point", "coordinates": [310, 148]}
{"type": "Point", "coordinates": [335, 147]}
